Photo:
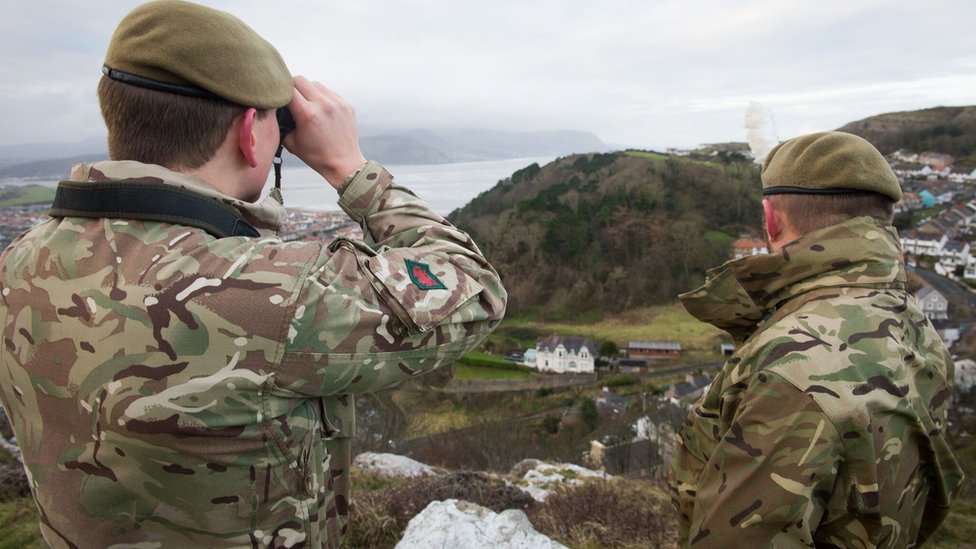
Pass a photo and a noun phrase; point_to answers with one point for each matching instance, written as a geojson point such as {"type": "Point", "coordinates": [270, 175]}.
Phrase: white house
{"type": "Point", "coordinates": [920, 243]}
{"type": "Point", "coordinates": [933, 304]}
{"type": "Point", "coordinates": [565, 355]}
{"type": "Point", "coordinates": [905, 155]}
{"type": "Point", "coordinates": [954, 254]}
{"type": "Point", "coordinates": [970, 272]}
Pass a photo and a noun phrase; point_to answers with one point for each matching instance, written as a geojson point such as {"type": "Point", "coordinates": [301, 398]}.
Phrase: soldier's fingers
{"type": "Point", "coordinates": [305, 92]}
{"type": "Point", "coordinates": [331, 97]}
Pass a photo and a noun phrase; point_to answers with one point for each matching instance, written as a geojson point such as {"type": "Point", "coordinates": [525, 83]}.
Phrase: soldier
{"type": "Point", "coordinates": [825, 428]}
{"type": "Point", "coordinates": [175, 373]}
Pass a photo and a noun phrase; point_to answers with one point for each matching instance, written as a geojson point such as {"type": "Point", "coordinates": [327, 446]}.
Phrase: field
{"type": "Point", "coordinates": [28, 194]}
{"type": "Point", "coordinates": [657, 323]}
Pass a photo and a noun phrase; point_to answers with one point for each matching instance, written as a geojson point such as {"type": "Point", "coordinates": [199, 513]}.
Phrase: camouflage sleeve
{"type": "Point", "coordinates": [763, 485]}
{"type": "Point", "coordinates": [414, 296]}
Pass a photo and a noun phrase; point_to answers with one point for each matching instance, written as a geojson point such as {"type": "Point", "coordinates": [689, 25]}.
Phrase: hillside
{"type": "Point", "coordinates": [949, 130]}
{"type": "Point", "coordinates": [57, 168]}
{"type": "Point", "coordinates": [610, 232]}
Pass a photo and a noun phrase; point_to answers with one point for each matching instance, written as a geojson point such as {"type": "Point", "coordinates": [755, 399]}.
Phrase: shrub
{"type": "Point", "coordinates": [619, 380]}
{"type": "Point", "coordinates": [607, 513]}
{"type": "Point", "coordinates": [550, 424]}
{"type": "Point", "coordinates": [378, 519]}
{"type": "Point", "coordinates": [492, 444]}
{"type": "Point", "coordinates": [589, 413]}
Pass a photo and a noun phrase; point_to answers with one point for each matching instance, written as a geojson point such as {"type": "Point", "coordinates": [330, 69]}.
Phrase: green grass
{"type": "Point", "coordinates": [647, 154]}
{"type": "Point", "coordinates": [719, 238]}
{"type": "Point", "coordinates": [478, 358]}
{"type": "Point", "coordinates": [959, 529]}
{"type": "Point", "coordinates": [28, 194]}
{"type": "Point", "coordinates": [19, 527]}
{"type": "Point", "coordinates": [919, 215]}
{"type": "Point", "coordinates": [657, 323]}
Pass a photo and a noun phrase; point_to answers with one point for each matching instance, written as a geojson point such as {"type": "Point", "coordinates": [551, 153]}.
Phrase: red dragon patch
{"type": "Point", "coordinates": [422, 277]}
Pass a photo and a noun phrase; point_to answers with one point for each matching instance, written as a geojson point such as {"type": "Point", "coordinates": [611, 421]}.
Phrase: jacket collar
{"type": "Point", "coordinates": [862, 251]}
{"type": "Point", "coordinates": [266, 216]}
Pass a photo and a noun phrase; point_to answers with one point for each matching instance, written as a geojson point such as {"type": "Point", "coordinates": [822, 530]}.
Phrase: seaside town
{"type": "Point", "coordinates": [936, 221]}
{"type": "Point", "coordinates": [323, 226]}
{"type": "Point", "coordinates": [937, 225]}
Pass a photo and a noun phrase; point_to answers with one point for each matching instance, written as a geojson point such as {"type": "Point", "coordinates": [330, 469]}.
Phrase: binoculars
{"type": "Point", "coordinates": [286, 123]}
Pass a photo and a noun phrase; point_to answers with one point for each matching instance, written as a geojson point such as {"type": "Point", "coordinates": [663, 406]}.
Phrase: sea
{"type": "Point", "coordinates": [445, 187]}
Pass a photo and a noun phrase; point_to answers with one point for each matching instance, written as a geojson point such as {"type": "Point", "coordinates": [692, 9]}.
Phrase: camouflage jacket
{"type": "Point", "coordinates": [172, 389]}
{"type": "Point", "coordinates": [825, 428]}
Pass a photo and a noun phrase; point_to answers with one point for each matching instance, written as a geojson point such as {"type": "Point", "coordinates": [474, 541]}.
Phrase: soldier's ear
{"type": "Point", "coordinates": [246, 140]}
{"type": "Point", "coordinates": [774, 224]}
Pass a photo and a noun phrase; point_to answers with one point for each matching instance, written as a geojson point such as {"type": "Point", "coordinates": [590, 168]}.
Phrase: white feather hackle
{"type": "Point", "coordinates": [760, 131]}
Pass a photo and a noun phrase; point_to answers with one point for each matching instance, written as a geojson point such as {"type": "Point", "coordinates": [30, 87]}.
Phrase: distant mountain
{"type": "Point", "coordinates": [401, 149]}
{"type": "Point", "coordinates": [609, 232]}
{"type": "Point", "coordinates": [466, 145]}
{"type": "Point", "coordinates": [54, 160]}
{"type": "Point", "coordinates": [949, 130]}
{"type": "Point", "coordinates": [57, 168]}
{"type": "Point", "coordinates": [19, 154]}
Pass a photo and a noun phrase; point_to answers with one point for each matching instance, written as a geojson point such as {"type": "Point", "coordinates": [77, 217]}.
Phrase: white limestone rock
{"type": "Point", "coordinates": [453, 524]}
{"type": "Point", "coordinates": [539, 479]}
{"type": "Point", "coordinates": [391, 465]}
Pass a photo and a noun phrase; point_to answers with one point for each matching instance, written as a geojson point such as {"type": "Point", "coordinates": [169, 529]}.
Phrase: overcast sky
{"type": "Point", "coordinates": [647, 73]}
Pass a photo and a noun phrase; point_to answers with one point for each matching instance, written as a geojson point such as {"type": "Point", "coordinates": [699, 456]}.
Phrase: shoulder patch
{"type": "Point", "coordinates": [422, 277]}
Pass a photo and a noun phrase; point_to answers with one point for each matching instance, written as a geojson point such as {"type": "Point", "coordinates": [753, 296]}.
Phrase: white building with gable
{"type": "Point", "coordinates": [933, 304]}
{"type": "Point", "coordinates": [565, 355]}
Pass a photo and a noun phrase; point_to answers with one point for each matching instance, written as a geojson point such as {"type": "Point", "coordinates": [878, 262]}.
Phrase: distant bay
{"type": "Point", "coordinates": [444, 187]}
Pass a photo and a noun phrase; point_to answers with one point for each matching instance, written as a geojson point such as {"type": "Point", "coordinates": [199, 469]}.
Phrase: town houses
{"type": "Point", "coordinates": [299, 225]}
{"type": "Point", "coordinates": [943, 240]}
{"type": "Point", "coordinates": [932, 185]}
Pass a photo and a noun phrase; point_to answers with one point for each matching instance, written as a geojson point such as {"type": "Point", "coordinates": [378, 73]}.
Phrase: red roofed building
{"type": "Point", "coordinates": [746, 246]}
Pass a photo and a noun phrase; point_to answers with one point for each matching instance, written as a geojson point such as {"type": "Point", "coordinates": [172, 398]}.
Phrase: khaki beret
{"type": "Point", "coordinates": [185, 48]}
{"type": "Point", "coordinates": [828, 163]}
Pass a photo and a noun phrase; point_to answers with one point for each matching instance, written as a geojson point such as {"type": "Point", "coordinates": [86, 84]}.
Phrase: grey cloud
{"type": "Point", "coordinates": [636, 72]}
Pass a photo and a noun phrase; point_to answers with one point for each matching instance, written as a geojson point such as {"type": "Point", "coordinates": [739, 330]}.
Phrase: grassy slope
{"type": "Point", "coordinates": [28, 194]}
{"type": "Point", "coordinates": [19, 525]}
{"type": "Point", "coordinates": [656, 323]}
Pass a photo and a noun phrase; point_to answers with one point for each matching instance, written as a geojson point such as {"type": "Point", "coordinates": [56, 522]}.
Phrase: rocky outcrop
{"type": "Point", "coordinates": [391, 465]}
{"type": "Point", "coordinates": [452, 524]}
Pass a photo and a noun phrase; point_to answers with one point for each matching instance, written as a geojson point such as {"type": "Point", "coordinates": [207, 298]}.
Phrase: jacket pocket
{"type": "Point", "coordinates": [425, 288]}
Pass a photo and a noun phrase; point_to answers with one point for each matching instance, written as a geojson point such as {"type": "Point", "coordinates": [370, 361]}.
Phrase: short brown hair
{"type": "Point", "coordinates": [809, 212]}
{"type": "Point", "coordinates": [155, 127]}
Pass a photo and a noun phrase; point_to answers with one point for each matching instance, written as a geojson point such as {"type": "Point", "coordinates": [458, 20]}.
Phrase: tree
{"type": "Point", "coordinates": [608, 349]}
{"type": "Point", "coordinates": [589, 413]}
